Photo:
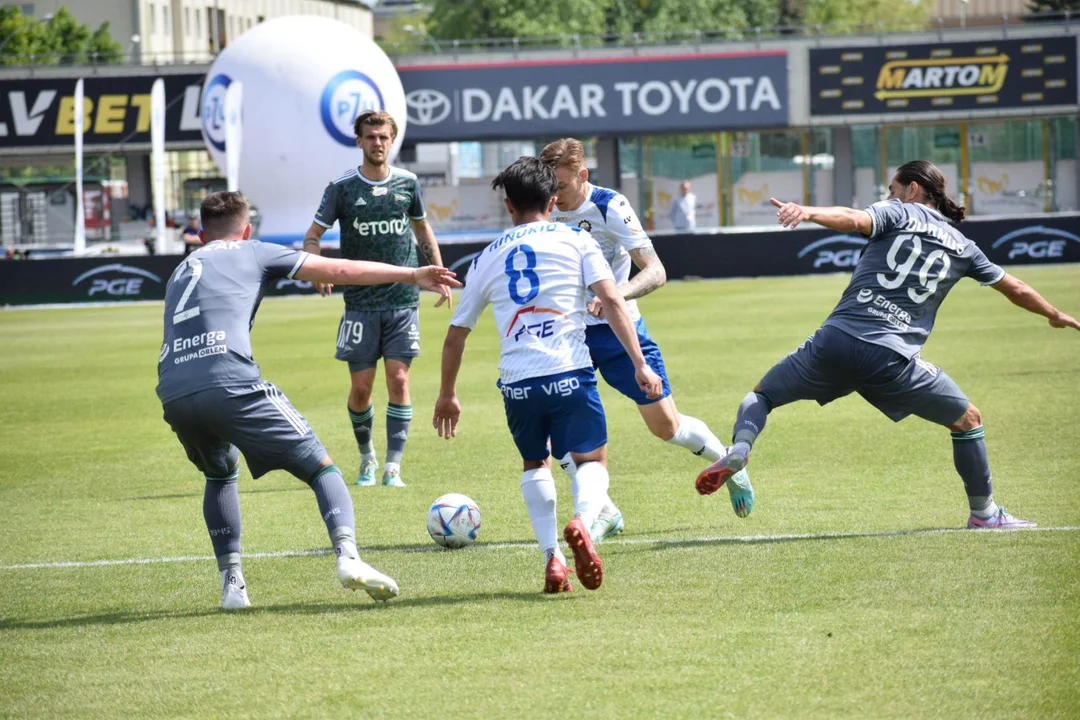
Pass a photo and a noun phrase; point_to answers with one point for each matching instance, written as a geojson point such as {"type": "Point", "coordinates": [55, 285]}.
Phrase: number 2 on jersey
{"type": "Point", "coordinates": [904, 269]}
{"type": "Point", "coordinates": [526, 273]}
{"type": "Point", "coordinates": [179, 314]}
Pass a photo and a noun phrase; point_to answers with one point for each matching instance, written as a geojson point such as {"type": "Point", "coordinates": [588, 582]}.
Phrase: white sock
{"type": "Point", "coordinates": [391, 469]}
{"type": "Point", "coordinates": [538, 489]}
{"type": "Point", "coordinates": [590, 487]}
{"type": "Point", "coordinates": [347, 549]}
{"type": "Point", "coordinates": [567, 464]}
{"type": "Point", "coordinates": [695, 436]}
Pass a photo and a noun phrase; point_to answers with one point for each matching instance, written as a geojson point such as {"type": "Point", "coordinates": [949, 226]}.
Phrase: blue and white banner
{"type": "Point", "coordinates": [597, 96]}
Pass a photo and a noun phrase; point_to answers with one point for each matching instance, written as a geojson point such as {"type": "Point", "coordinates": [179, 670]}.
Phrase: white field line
{"type": "Point", "coordinates": [690, 541]}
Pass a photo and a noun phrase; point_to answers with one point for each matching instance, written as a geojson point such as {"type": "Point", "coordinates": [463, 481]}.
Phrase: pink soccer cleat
{"type": "Point", "coordinates": [1001, 520]}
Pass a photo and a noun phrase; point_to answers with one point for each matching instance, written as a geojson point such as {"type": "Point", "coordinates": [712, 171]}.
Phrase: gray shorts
{"type": "Point", "coordinates": [256, 419]}
{"type": "Point", "coordinates": [832, 364]}
{"type": "Point", "coordinates": [365, 337]}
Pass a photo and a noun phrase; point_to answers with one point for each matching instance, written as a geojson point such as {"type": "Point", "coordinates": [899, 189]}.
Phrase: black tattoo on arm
{"type": "Point", "coordinates": [652, 274]}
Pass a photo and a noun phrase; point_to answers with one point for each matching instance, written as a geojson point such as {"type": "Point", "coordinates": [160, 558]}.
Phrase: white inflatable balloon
{"type": "Point", "coordinates": [305, 80]}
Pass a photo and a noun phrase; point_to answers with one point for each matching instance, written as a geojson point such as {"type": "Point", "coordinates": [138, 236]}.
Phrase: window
{"type": "Point", "coordinates": [153, 18]}
{"type": "Point", "coordinates": [198, 24]}
{"type": "Point", "coordinates": [187, 21]}
{"type": "Point", "coordinates": [165, 19]}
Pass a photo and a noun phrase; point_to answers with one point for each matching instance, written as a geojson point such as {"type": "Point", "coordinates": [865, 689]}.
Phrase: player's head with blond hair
{"type": "Point", "coordinates": [224, 215]}
{"type": "Point", "coordinates": [567, 158]}
{"type": "Point", "coordinates": [376, 131]}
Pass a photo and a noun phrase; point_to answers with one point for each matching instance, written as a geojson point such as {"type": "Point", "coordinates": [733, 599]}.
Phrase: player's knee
{"type": "Point", "coordinates": [755, 397]}
{"type": "Point", "coordinates": [970, 420]}
{"type": "Point", "coordinates": [664, 429]}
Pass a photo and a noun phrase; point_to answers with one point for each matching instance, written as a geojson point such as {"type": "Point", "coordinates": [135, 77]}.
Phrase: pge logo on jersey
{"type": "Point", "coordinates": [1040, 242]}
{"type": "Point", "coordinates": [348, 94]}
{"type": "Point", "coordinates": [115, 281]}
{"type": "Point", "coordinates": [841, 252]}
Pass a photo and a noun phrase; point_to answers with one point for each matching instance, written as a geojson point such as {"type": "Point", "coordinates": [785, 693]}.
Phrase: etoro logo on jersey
{"type": "Point", "coordinates": [115, 281]}
{"type": "Point", "coordinates": [348, 94]}
{"type": "Point", "coordinates": [394, 226]}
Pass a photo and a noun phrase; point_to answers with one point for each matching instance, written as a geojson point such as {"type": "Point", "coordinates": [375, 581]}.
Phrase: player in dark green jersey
{"type": "Point", "coordinates": [379, 209]}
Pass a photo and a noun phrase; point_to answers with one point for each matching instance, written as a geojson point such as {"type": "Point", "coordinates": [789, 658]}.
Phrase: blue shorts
{"type": "Point", "coordinates": [610, 358]}
{"type": "Point", "coordinates": [564, 408]}
{"type": "Point", "coordinates": [832, 364]}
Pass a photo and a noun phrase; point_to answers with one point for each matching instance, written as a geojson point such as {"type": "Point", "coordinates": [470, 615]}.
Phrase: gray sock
{"type": "Point", "coordinates": [398, 418]}
{"type": "Point", "coordinates": [221, 510]}
{"type": "Point", "coordinates": [362, 423]}
{"type": "Point", "coordinates": [973, 464]}
{"type": "Point", "coordinates": [753, 412]}
{"type": "Point", "coordinates": [335, 504]}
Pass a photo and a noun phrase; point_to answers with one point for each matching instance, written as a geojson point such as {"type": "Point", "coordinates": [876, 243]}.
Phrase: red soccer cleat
{"type": "Point", "coordinates": [557, 577]}
{"type": "Point", "coordinates": [713, 477]}
{"type": "Point", "coordinates": [587, 565]}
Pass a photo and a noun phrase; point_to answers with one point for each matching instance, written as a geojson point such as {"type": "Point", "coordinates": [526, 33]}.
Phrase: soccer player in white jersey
{"type": "Point", "coordinates": [608, 217]}
{"type": "Point", "coordinates": [537, 276]}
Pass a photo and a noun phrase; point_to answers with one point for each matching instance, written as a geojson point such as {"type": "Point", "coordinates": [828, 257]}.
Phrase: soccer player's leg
{"type": "Point", "coordinates": [273, 435]}
{"type": "Point", "coordinates": [219, 462]}
{"type": "Point", "coordinates": [917, 387]}
{"type": "Point", "coordinates": [400, 345]}
{"type": "Point", "coordinates": [816, 370]}
{"type": "Point", "coordinates": [529, 424]}
{"type": "Point", "coordinates": [358, 344]}
{"type": "Point", "coordinates": [579, 427]}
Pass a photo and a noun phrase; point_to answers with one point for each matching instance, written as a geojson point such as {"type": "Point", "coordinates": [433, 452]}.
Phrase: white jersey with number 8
{"type": "Point", "coordinates": [536, 276]}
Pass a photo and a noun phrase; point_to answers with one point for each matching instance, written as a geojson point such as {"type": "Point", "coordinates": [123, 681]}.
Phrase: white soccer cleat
{"type": "Point", "coordinates": [355, 574]}
{"type": "Point", "coordinates": [234, 593]}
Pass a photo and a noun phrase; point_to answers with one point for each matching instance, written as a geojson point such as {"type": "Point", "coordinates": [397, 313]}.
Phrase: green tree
{"type": "Point", "coordinates": [1051, 9]}
{"type": "Point", "coordinates": [463, 19]}
{"type": "Point", "coordinates": [848, 16]}
{"type": "Point", "coordinates": [60, 40]}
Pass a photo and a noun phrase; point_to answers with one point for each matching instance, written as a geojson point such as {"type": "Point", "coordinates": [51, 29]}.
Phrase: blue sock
{"type": "Point", "coordinates": [753, 412]}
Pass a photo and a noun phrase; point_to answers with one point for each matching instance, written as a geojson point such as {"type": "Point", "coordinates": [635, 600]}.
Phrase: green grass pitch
{"type": "Point", "coordinates": [696, 617]}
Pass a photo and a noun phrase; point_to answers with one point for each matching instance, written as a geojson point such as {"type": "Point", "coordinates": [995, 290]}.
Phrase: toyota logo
{"type": "Point", "coordinates": [427, 107]}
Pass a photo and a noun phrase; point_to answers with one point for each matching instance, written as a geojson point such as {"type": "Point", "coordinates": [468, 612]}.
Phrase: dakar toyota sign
{"type": "Point", "coordinates": [596, 96]}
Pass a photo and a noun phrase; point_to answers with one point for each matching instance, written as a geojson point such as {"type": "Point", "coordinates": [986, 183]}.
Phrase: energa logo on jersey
{"type": "Point", "coordinates": [115, 280]}
{"type": "Point", "coordinates": [395, 226]}
{"type": "Point", "coordinates": [345, 96]}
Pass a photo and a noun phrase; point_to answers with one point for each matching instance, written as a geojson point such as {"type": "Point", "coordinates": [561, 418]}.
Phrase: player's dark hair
{"type": "Point", "coordinates": [374, 118]}
{"type": "Point", "coordinates": [529, 184]}
{"type": "Point", "coordinates": [223, 214]}
{"type": "Point", "coordinates": [932, 181]}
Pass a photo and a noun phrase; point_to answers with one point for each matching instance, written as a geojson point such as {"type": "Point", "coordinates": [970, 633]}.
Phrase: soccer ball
{"type": "Point", "coordinates": [453, 521]}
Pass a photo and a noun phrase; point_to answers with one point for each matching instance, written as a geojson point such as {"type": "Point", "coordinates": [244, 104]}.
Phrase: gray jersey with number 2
{"type": "Point", "coordinates": [913, 259]}
{"type": "Point", "coordinates": [210, 304]}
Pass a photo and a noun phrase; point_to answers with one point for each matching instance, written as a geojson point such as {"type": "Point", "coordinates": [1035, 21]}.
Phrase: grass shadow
{"type": "Point", "coordinates": [110, 619]}
{"type": "Point", "coordinates": [199, 494]}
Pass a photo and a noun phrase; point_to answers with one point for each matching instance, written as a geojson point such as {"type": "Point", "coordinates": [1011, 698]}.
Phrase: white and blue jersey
{"type": "Point", "coordinates": [608, 217]}
{"type": "Point", "coordinates": [536, 276]}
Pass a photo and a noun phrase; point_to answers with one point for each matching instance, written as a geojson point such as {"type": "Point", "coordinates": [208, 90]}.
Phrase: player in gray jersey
{"type": "Point", "coordinates": [217, 402]}
{"type": "Point", "coordinates": [378, 208]}
{"type": "Point", "coordinates": [870, 343]}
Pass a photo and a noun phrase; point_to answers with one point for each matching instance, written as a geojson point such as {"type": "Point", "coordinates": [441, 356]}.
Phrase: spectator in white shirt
{"type": "Point", "coordinates": [683, 209]}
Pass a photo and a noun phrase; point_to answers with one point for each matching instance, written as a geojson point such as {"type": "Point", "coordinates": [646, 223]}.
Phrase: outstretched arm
{"type": "Point", "coordinates": [447, 407]}
{"type": "Point", "coordinates": [313, 245]}
{"type": "Point", "coordinates": [318, 269]}
{"type": "Point", "coordinates": [841, 219]}
{"type": "Point", "coordinates": [1025, 296]}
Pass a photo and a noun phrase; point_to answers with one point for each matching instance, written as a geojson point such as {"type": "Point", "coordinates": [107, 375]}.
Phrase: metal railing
{"type": "Point", "coordinates": [438, 47]}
